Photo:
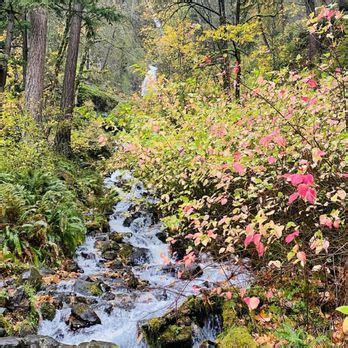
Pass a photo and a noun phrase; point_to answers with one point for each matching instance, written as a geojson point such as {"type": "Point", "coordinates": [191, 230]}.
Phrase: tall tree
{"type": "Point", "coordinates": [63, 135]}
{"type": "Point", "coordinates": [36, 62]}
{"type": "Point", "coordinates": [7, 48]}
{"type": "Point", "coordinates": [312, 39]}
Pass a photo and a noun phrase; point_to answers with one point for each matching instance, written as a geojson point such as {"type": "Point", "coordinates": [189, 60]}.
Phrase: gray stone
{"type": "Point", "coordinates": [10, 342]}
{"type": "Point", "coordinates": [97, 344]}
{"type": "Point", "coordinates": [33, 277]}
{"type": "Point", "coordinates": [139, 256]}
{"type": "Point", "coordinates": [82, 316]}
{"type": "Point", "coordinates": [35, 341]}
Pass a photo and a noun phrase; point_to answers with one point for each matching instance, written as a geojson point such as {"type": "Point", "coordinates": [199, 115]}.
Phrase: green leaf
{"type": "Point", "coordinates": [343, 309]}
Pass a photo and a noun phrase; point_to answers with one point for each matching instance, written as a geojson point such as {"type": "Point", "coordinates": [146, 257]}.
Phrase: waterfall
{"type": "Point", "coordinates": [149, 84]}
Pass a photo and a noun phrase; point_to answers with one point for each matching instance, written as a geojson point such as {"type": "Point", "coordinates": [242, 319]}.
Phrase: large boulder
{"type": "Point", "coordinates": [10, 342]}
{"type": "Point", "coordinates": [18, 301]}
{"type": "Point", "coordinates": [35, 341]}
{"type": "Point", "coordinates": [32, 277]}
{"type": "Point", "coordinates": [97, 344]}
{"type": "Point", "coordinates": [82, 316]}
{"type": "Point", "coordinates": [139, 256]}
{"type": "Point", "coordinates": [87, 288]}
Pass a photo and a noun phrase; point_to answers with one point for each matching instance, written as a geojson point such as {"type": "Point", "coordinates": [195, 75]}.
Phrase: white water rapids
{"type": "Point", "coordinates": [130, 307]}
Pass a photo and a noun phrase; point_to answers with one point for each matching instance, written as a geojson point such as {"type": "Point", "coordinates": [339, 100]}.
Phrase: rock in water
{"type": "Point", "coordinates": [82, 316]}
{"type": "Point", "coordinates": [97, 344]}
{"type": "Point", "coordinates": [34, 341]}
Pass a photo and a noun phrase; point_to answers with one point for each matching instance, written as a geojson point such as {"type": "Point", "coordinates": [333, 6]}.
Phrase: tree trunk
{"type": "Point", "coordinates": [238, 57]}
{"type": "Point", "coordinates": [63, 135]}
{"type": "Point", "coordinates": [313, 46]}
{"type": "Point", "coordinates": [223, 46]}
{"type": "Point", "coordinates": [24, 49]}
{"type": "Point", "coordinates": [36, 63]}
{"type": "Point", "coordinates": [62, 48]}
{"type": "Point", "coordinates": [7, 51]}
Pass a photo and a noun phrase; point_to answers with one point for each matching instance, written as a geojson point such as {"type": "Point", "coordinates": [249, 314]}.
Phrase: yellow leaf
{"type": "Point", "coordinates": [345, 326]}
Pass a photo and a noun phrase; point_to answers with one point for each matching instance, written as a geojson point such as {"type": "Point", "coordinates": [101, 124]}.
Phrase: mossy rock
{"type": "Point", "coordinates": [229, 315]}
{"type": "Point", "coordinates": [236, 337]}
{"type": "Point", "coordinates": [102, 100]}
{"type": "Point", "coordinates": [48, 311]}
{"type": "Point", "coordinates": [176, 336]}
{"type": "Point", "coordinates": [116, 237]}
{"type": "Point", "coordinates": [125, 253]}
{"type": "Point", "coordinates": [95, 290]}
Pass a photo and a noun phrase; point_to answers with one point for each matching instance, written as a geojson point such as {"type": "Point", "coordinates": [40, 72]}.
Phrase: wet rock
{"type": "Point", "coordinates": [3, 310]}
{"type": "Point", "coordinates": [207, 344]}
{"type": "Point", "coordinates": [35, 341]}
{"type": "Point", "coordinates": [87, 288]}
{"type": "Point", "coordinates": [97, 344]}
{"type": "Point", "coordinates": [32, 277]}
{"type": "Point", "coordinates": [125, 253]}
{"type": "Point", "coordinates": [176, 336]}
{"type": "Point", "coordinates": [48, 311]}
{"type": "Point", "coordinates": [171, 269]}
{"type": "Point", "coordinates": [82, 316]}
{"type": "Point", "coordinates": [162, 236]}
{"type": "Point", "coordinates": [109, 296]}
{"type": "Point", "coordinates": [129, 219]}
{"type": "Point", "coordinates": [131, 281]}
{"type": "Point", "coordinates": [10, 342]}
{"type": "Point", "coordinates": [2, 332]}
{"type": "Point", "coordinates": [115, 264]}
{"type": "Point", "coordinates": [116, 237]}
{"type": "Point", "coordinates": [139, 256]}
{"type": "Point", "coordinates": [190, 272]}
{"type": "Point", "coordinates": [108, 309]}
{"type": "Point", "coordinates": [71, 266]}
{"type": "Point", "coordinates": [88, 256]}
{"type": "Point", "coordinates": [109, 255]}
{"type": "Point", "coordinates": [18, 301]}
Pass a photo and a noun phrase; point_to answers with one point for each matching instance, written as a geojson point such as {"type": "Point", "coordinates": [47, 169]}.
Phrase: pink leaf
{"type": "Point", "coordinates": [252, 302]}
{"type": "Point", "coordinates": [293, 197]}
{"type": "Point", "coordinates": [269, 294]}
{"type": "Point", "coordinates": [248, 240]}
{"type": "Point", "coordinates": [301, 255]}
{"type": "Point", "coordinates": [308, 179]}
{"type": "Point", "coordinates": [289, 238]}
{"type": "Point", "coordinates": [257, 239]}
{"type": "Point", "coordinates": [311, 195]}
{"type": "Point", "coordinates": [272, 160]}
{"type": "Point", "coordinates": [312, 83]}
{"type": "Point", "coordinates": [260, 249]}
{"type": "Point", "coordinates": [238, 168]}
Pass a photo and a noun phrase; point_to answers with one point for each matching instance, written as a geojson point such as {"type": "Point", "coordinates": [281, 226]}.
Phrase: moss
{"type": "Point", "coordinates": [176, 336]}
{"type": "Point", "coordinates": [95, 290]}
{"type": "Point", "coordinates": [48, 311]}
{"type": "Point", "coordinates": [229, 314]}
{"type": "Point", "coordinates": [125, 253]}
{"type": "Point", "coordinates": [236, 337]}
{"type": "Point", "coordinates": [102, 100]}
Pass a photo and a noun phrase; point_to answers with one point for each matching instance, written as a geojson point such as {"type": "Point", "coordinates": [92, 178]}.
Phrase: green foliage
{"type": "Point", "coordinates": [236, 337]}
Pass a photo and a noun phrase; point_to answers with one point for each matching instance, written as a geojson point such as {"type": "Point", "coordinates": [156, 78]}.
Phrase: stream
{"type": "Point", "coordinates": [121, 309]}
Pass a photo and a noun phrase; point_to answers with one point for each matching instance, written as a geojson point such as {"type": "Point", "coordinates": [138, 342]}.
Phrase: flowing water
{"type": "Point", "coordinates": [120, 317]}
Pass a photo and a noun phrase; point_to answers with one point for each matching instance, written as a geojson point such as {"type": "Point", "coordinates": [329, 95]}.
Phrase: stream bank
{"type": "Point", "coordinates": [123, 280]}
